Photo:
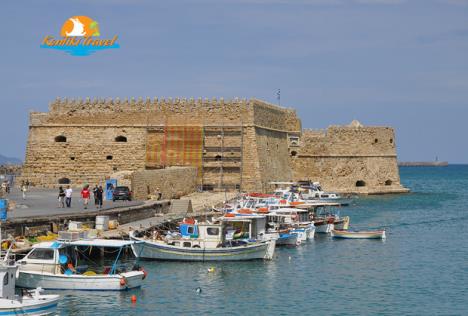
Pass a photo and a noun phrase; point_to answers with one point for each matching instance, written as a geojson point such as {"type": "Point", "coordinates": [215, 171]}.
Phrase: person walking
{"type": "Point", "coordinates": [85, 195]}
{"type": "Point", "coordinates": [100, 195]}
{"type": "Point", "coordinates": [95, 192]}
{"type": "Point", "coordinates": [23, 189]}
{"type": "Point", "coordinates": [68, 195]}
{"type": "Point", "coordinates": [61, 197]}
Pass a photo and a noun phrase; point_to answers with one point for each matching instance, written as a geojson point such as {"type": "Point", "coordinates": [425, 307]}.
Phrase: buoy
{"type": "Point", "coordinates": [199, 290]}
{"type": "Point", "coordinates": [134, 299]}
{"type": "Point", "coordinates": [211, 269]}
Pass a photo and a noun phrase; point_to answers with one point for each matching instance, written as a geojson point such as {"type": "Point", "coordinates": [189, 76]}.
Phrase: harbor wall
{"type": "Point", "coordinates": [173, 182]}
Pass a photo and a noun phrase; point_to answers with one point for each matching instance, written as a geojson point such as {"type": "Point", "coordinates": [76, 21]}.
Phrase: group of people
{"type": "Point", "coordinates": [65, 196]}
{"type": "Point", "coordinates": [6, 186]}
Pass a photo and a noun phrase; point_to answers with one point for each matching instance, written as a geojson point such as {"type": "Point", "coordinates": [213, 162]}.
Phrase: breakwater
{"type": "Point", "coordinates": [423, 164]}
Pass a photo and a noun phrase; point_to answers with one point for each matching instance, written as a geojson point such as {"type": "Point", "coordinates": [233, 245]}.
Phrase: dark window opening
{"type": "Point", "coordinates": [391, 140]}
{"type": "Point", "coordinates": [208, 187]}
{"type": "Point", "coordinates": [114, 168]}
{"type": "Point", "coordinates": [293, 153]}
{"type": "Point", "coordinates": [376, 140]}
{"type": "Point", "coordinates": [109, 157]}
{"type": "Point", "coordinates": [212, 231]}
{"type": "Point", "coordinates": [64, 181]}
{"type": "Point", "coordinates": [187, 244]}
{"type": "Point", "coordinates": [72, 158]}
{"type": "Point", "coordinates": [218, 158]}
{"type": "Point", "coordinates": [360, 183]}
{"type": "Point", "coordinates": [121, 139]}
{"type": "Point", "coordinates": [388, 182]}
{"type": "Point", "coordinates": [60, 139]}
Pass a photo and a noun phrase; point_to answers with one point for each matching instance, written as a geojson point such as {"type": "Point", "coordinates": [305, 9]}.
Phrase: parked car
{"type": "Point", "coordinates": [122, 193]}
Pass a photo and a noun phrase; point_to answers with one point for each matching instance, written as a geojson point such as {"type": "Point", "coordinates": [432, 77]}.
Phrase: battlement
{"type": "Point", "coordinates": [97, 105]}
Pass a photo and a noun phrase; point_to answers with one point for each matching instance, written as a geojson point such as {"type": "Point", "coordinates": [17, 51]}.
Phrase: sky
{"type": "Point", "coordinates": [383, 62]}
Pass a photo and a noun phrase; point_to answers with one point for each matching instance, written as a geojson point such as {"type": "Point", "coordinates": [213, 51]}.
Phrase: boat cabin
{"type": "Point", "coordinates": [239, 226]}
{"type": "Point", "coordinates": [7, 279]}
{"type": "Point", "coordinates": [201, 235]}
{"type": "Point", "coordinates": [74, 257]}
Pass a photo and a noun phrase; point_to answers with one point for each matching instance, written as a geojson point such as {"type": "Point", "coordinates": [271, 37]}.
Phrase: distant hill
{"type": "Point", "coordinates": [9, 161]}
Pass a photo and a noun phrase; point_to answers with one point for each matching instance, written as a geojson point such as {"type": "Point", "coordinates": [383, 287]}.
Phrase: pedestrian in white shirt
{"type": "Point", "coordinates": [68, 196]}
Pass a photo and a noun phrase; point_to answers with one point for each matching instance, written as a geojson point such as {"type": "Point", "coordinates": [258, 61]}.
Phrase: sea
{"type": "Point", "coordinates": [420, 269]}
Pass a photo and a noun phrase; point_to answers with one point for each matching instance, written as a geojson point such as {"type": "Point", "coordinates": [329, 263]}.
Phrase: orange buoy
{"type": "Point", "coordinates": [134, 298]}
{"type": "Point", "coordinates": [229, 215]}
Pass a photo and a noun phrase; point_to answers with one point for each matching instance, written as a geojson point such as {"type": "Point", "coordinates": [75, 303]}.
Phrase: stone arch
{"type": "Point", "coordinates": [64, 180]}
{"type": "Point", "coordinates": [121, 139]}
{"type": "Point", "coordinates": [388, 182]}
{"type": "Point", "coordinates": [360, 183]}
{"type": "Point", "coordinates": [60, 139]}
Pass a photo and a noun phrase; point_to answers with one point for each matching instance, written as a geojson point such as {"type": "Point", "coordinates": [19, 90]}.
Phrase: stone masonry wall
{"type": "Point", "coordinates": [348, 159]}
{"type": "Point", "coordinates": [88, 154]}
{"type": "Point", "coordinates": [173, 182]}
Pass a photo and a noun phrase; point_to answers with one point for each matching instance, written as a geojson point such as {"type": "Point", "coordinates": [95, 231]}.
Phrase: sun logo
{"type": "Point", "coordinates": [80, 25]}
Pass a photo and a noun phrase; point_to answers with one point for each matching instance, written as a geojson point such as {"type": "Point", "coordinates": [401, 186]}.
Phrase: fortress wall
{"type": "Point", "coordinates": [341, 156]}
{"type": "Point", "coordinates": [272, 152]}
{"type": "Point", "coordinates": [150, 112]}
{"type": "Point", "coordinates": [89, 147]}
{"type": "Point", "coordinates": [344, 140]}
{"type": "Point", "coordinates": [145, 182]}
{"type": "Point", "coordinates": [274, 117]}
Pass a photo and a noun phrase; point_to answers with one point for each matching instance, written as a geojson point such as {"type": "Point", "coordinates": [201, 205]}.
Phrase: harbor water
{"type": "Point", "coordinates": [420, 269]}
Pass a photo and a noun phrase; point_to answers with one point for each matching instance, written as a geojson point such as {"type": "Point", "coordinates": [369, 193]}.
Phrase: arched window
{"type": "Point", "coordinates": [64, 181]}
{"type": "Point", "coordinates": [388, 182]}
{"type": "Point", "coordinates": [121, 139]}
{"type": "Point", "coordinates": [60, 139]}
{"type": "Point", "coordinates": [293, 153]}
{"type": "Point", "coordinates": [360, 183]}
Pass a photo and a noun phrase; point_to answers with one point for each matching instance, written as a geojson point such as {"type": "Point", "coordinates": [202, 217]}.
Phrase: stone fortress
{"type": "Point", "coordinates": [237, 145]}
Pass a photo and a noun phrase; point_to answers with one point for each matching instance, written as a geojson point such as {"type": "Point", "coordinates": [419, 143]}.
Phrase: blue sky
{"type": "Point", "coordinates": [383, 62]}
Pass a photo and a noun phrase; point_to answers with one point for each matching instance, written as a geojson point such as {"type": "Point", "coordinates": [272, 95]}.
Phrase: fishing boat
{"type": "Point", "coordinates": [28, 302]}
{"type": "Point", "coordinates": [201, 242]}
{"type": "Point", "coordinates": [375, 234]}
{"type": "Point", "coordinates": [68, 265]}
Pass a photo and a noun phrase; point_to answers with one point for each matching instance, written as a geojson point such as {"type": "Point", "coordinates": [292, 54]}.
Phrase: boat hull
{"type": "Point", "coordinates": [288, 240]}
{"type": "Point", "coordinates": [49, 281]}
{"type": "Point", "coordinates": [359, 235]}
{"type": "Point", "coordinates": [324, 228]}
{"type": "Point", "coordinates": [45, 305]}
{"type": "Point", "coordinates": [155, 251]}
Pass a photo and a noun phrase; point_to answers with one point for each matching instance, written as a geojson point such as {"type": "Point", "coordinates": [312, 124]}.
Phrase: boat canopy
{"type": "Point", "coordinates": [107, 243]}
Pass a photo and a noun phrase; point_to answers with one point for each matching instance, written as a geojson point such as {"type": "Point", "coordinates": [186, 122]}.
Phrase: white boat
{"type": "Point", "coordinates": [375, 234]}
{"type": "Point", "coordinates": [58, 265]}
{"type": "Point", "coordinates": [200, 242]}
{"type": "Point", "coordinates": [30, 302]}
